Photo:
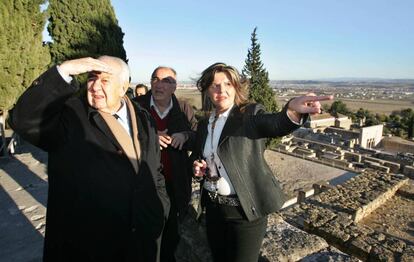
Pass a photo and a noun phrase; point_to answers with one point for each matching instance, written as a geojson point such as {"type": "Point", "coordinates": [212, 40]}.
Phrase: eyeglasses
{"type": "Point", "coordinates": [167, 80]}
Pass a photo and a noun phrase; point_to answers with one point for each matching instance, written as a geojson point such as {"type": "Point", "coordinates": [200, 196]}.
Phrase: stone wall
{"type": "Point", "coordinates": [321, 228]}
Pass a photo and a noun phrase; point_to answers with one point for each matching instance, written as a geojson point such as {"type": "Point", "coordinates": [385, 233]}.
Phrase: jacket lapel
{"type": "Point", "coordinates": [103, 127]}
{"type": "Point", "coordinates": [233, 122]}
{"type": "Point", "coordinates": [123, 138]}
{"type": "Point", "coordinates": [134, 127]}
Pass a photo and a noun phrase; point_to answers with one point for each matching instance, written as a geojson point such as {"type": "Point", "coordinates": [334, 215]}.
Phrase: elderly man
{"type": "Point", "coordinates": [176, 126]}
{"type": "Point", "coordinates": [107, 198]}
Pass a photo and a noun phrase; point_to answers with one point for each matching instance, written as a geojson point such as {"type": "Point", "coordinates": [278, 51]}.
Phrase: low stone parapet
{"type": "Point", "coordinates": [334, 215]}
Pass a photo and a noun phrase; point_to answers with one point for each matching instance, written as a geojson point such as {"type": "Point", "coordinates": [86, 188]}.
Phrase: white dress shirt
{"type": "Point", "coordinates": [123, 117]}
{"type": "Point", "coordinates": [224, 185]}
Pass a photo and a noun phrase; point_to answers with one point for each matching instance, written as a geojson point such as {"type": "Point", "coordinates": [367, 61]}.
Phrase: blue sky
{"type": "Point", "coordinates": [300, 39]}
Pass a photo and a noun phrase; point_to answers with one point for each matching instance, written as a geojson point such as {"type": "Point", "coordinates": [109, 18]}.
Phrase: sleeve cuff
{"type": "Point", "coordinates": [297, 123]}
{"type": "Point", "coordinates": [65, 77]}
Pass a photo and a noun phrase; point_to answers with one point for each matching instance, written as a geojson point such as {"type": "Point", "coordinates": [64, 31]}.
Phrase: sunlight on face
{"type": "Point", "coordinates": [105, 91]}
{"type": "Point", "coordinates": [163, 85]}
{"type": "Point", "coordinates": [222, 92]}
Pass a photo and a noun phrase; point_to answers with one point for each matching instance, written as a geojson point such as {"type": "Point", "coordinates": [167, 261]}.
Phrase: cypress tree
{"type": "Point", "coordinates": [260, 90]}
{"type": "Point", "coordinates": [22, 54]}
{"type": "Point", "coordinates": [410, 131]}
{"type": "Point", "coordinates": [81, 28]}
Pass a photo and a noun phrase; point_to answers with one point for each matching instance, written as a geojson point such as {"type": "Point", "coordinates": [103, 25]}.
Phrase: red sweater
{"type": "Point", "coordinates": [165, 159]}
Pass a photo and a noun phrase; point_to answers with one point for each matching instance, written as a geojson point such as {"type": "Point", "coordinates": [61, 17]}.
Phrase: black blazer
{"type": "Point", "coordinates": [99, 208]}
{"type": "Point", "coordinates": [241, 150]}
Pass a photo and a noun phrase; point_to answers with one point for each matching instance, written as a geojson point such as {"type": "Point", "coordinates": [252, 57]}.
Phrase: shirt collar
{"type": "Point", "coordinates": [122, 112]}
{"type": "Point", "coordinates": [225, 114]}
{"type": "Point", "coordinates": [167, 110]}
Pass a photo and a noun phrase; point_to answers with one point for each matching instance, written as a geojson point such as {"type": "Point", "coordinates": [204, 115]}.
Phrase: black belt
{"type": "Point", "coordinates": [232, 200]}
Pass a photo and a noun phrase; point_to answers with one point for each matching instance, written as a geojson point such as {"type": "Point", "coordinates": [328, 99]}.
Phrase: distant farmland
{"type": "Point", "coordinates": [376, 106]}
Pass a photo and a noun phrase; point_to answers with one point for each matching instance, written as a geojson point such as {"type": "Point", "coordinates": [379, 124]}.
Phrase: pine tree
{"type": "Point", "coordinates": [260, 90]}
{"type": "Point", "coordinates": [22, 54]}
{"type": "Point", "coordinates": [81, 28]}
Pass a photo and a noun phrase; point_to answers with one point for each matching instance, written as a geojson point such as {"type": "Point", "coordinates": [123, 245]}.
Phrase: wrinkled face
{"type": "Point", "coordinates": [163, 85]}
{"type": "Point", "coordinates": [222, 92]}
{"type": "Point", "coordinates": [105, 91]}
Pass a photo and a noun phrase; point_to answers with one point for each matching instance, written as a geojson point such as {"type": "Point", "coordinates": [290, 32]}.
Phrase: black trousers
{"type": "Point", "coordinates": [232, 238]}
{"type": "Point", "coordinates": [170, 235]}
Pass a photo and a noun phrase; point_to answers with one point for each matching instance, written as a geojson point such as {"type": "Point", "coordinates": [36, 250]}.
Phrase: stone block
{"type": "Point", "coordinates": [329, 254]}
{"type": "Point", "coordinates": [333, 232]}
{"type": "Point", "coordinates": [408, 171]}
{"type": "Point", "coordinates": [408, 255]}
{"type": "Point", "coordinates": [284, 242]}
{"type": "Point", "coordinates": [407, 191]}
{"type": "Point", "coordinates": [394, 244]}
{"type": "Point", "coordinates": [359, 247]}
{"type": "Point", "coordinates": [379, 253]}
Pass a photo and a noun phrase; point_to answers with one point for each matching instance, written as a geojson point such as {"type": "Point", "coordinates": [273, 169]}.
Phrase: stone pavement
{"type": "Point", "coordinates": [23, 196]}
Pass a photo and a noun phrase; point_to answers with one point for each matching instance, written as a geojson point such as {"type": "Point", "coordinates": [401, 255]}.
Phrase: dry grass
{"type": "Point", "coordinates": [191, 96]}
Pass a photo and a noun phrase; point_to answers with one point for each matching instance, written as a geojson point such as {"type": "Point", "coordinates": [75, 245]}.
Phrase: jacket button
{"type": "Point", "coordinates": [36, 82]}
{"type": "Point", "coordinates": [253, 210]}
{"type": "Point", "coordinates": [119, 151]}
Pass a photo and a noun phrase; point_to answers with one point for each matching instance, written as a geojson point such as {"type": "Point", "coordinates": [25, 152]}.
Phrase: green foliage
{"type": "Point", "coordinates": [81, 28]}
{"type": "Point", "coordinates": [370, 118]}
{"type": "Point", "coordinates": [340, 107]}
{"type": "Point", "coordinates": [258, 77]}
{"type": "Point", "coordinates": [22, 54]}
{"type": "Point", "coordinates": [410, 130]}
{"type": "Point", "coordinates": [260, 90]}
{"type": "Point", "coordinates": [401, 123]}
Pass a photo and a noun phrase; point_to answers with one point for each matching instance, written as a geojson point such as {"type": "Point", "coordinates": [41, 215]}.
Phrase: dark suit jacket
{"type": "Point", "coordinates": [180, 118]}
{"type": "Point", "coordinates": [241, 150]}
{"type": "Point", "coordinates": [99, 208]}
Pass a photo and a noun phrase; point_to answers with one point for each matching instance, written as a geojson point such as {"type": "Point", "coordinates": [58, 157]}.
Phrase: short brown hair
{"type": "Point", "coordinates": [207, 77]}
{"type": "Point", "coordinates": [140, 86]}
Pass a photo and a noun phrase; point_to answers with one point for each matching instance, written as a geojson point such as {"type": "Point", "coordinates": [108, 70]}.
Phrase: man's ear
{"type": "Point", "coordinates": [124, 89]}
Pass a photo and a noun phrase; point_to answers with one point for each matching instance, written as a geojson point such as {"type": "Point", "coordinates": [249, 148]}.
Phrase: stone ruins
{"type": "Point", "coordinates": [326, 226]}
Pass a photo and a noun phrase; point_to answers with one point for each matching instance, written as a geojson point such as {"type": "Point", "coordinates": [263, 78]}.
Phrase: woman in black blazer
{"type": "Point", "coordinates": [238, 188]}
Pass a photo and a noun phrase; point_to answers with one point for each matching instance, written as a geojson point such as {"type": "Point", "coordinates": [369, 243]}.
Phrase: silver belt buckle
{"type": "Point", "coordinates": [229, 201]}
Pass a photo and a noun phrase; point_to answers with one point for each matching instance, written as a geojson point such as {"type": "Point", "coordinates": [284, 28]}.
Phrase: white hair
{"type": "Point", "coordinates": [124, 73]}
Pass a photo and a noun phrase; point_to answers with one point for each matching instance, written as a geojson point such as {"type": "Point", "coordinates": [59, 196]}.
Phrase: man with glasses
{"type": "Point", "coordinates": [176, 127]}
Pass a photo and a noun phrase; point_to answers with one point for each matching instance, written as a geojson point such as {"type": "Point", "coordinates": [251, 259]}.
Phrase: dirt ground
{"type": "Point", "coordinates": [394, 218]}
{"type": "Point", "coordinates": [296, 174]}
